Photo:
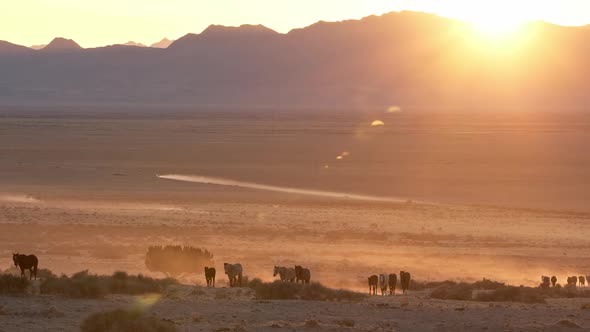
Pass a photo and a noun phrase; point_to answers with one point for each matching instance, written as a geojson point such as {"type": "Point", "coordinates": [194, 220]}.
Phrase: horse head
{"type": "Point", "coordinates": [276, 271]}
{"type": "Point", "coordinates": [15, 259]}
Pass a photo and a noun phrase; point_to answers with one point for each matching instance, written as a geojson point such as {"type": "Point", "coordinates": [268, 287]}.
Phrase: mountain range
{"type": "Point", "coordinates": [409, 59]}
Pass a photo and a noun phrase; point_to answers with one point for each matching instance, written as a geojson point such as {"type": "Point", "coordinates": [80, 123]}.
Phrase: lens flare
{"type": "Point", "coordinates": [393, 109]}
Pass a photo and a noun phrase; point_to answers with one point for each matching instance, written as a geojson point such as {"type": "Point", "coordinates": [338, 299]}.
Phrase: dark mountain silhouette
{"type": "Point", "coordinates": [408, 59]}
{"type": "Point", "coordinates": [61, 45]}
{"type": "Point", "coordinates": [164, 43]}
{"type": "Point", "coordinates": [7, 48]}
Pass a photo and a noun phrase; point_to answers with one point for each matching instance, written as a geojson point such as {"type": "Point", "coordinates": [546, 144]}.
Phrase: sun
{"type": "Point", "coordinates": [495, 20]}
{"type": "Point", "coordinates": [496, 28]}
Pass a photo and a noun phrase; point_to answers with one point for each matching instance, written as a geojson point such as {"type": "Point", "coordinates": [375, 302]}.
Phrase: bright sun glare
{"type": "Point", "coordinates": [493, 19]}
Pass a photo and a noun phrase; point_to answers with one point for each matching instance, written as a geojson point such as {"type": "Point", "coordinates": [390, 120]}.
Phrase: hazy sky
{"type": "Point", "coordinates": [102, 22]}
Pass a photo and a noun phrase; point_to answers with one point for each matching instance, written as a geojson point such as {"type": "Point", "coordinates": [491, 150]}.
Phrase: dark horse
{"type": "Point", "coordinates": [210, 276]}
{"type": "Point", "coordinates": [26, 262]}
{"type": "Point", "coordinates": [302, 274]}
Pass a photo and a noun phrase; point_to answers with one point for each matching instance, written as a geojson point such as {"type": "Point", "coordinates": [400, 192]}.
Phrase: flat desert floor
{"type": "Point", "coordinates": [500, 196]}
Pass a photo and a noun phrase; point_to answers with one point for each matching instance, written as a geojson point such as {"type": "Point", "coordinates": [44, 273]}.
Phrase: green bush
{"type": "Point", "coordinates": [10, 284]}
{"type": "Point", "coordinates": [84, 285]}
{"type": "Point", "coordinates": [292, 291]}
{"type": "Point", "coordinates": [175, 260]}
{"type": "Point", "coordinates": [124, 321]}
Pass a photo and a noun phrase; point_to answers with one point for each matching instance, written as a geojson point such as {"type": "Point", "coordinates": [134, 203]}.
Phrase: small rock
{"type": "Point", "coordinates": [312, 323]}
{"type": "Point", "coordinates": [568, 324]}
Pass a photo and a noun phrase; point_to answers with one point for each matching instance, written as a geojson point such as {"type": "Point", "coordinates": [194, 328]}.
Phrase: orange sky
{"type": "Point", "coordinates": [96, 23]}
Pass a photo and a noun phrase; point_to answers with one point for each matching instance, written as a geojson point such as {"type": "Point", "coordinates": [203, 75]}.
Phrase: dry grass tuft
{"type": "Point", "coordinates": [291, 291]}
{"type": "Point", "coordinates": [124, 321]}
{"type": "Point", "coordinates": [12, 285]}
{"type": "Point", "coordinates": [345, 323]}
{"type": "Point", "coordinates": [85, 285]}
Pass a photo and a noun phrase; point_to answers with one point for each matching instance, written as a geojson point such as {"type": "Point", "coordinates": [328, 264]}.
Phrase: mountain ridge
{"type": "Point", "coordinates": [409, 59]}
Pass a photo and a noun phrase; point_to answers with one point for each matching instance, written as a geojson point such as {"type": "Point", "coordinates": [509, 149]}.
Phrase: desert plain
{"type": "Point", "coordinates": [446, 195]}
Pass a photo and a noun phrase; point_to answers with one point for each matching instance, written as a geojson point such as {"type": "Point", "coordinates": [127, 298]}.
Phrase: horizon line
{"type": "Point", "coordinates": [148, 44]}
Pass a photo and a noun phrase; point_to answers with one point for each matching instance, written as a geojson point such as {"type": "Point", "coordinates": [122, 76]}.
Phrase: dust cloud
{"type": "Point", "coordinates": [288, 190]}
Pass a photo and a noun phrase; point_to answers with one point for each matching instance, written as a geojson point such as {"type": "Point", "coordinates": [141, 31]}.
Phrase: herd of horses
{"type": "Point", "coordinates": [295, 274]}
{"type": "Point", "coordinates": [389, 281]}
{"type": "Point", "coordinates": [235, 273]}
{"type": "Point", "coordinates": [573, 281]}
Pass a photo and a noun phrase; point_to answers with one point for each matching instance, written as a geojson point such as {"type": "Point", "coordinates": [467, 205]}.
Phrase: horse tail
{"type": "Point", "coordinates": [35, 270]}
{"type": "Point", "coordinates": [240, 279]}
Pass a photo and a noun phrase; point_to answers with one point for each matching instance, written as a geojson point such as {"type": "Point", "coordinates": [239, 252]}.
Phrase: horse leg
{"type": "Point", "coordinates": [22, 272]}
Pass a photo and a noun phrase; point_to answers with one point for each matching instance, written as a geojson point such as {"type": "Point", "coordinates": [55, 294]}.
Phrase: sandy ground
{"type": "Point", "coordinates": [341, 243]}
{"type": "Point", "coordinates": [202, 309]}
{"type": "Point", "coordinates": [510, 203]}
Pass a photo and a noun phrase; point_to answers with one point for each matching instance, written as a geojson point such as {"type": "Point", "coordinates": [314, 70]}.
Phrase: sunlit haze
{"type": "Point", "coordinates": [97, 23]}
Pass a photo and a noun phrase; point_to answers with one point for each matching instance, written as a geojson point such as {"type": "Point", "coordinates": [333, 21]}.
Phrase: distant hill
{"type": "Point", "coordinates": [38, 47]}
{"type": "Point", "coordinates": [164, 43]}
{"type": "Point", "coordinates": [132, 43]}
{"type": "Point", "coordinates": [7, 48]}
{"type": "Point", "coordinates": [408, 59]}
{"type": "Point", "coordinates": [61, 45]}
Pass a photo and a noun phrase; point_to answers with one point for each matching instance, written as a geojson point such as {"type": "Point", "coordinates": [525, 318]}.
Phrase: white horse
{"type": "Point", "coordinates": [285, 273]}
{"type": "Point", "coordinates": [234, 273]}
{"type": "Point", "coordinates": [383, 283]}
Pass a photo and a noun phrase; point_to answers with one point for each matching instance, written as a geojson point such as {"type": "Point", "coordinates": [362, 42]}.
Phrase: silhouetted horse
{"type": "Point", "coordinates": [26, 262]}
{"type": "Point", "coordinates": [405, 278]}
{"type": "Point", "coordinates": [545, 282]}
{"type": "Point", "coordinates": [234, 273]}
{"type": "Point", "coordinates": [302, 274]}
{"type": "Point", "coordinates": [392, 283]}
{"type": "Point", "coordinates": [572, 281]}
{"type": "Point", "coordinates": [210, 276]}
{"type": "Point", "coordinates": [373, 282]}
{"type": "Point", "coordinates": [582, 281]}
{"type": "Point", "coordinates": [553, 280]}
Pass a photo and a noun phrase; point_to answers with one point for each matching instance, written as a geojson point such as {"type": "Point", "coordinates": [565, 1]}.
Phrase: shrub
{"type": "Point", "coordinates": [175, 260]}
{"type": "Point", "coordinates": [460, 292]}
{"type": "Point", "coordinates": [41, 273]}
{"type": "Point", "coordinates": [45, 273]}
{"type": "Point", "coordinates": [487, 284]}
{"type": "Point", "coordinates": [84, 285]}
{"type": "Point", "coordinates": [498, 292]}
{"type": "Point", "coordinates": [124, 321]}
{"type": "Point", "coordinates": [345, 322]}
{"type": "Point", "coordinates": [419, 285]}
{"type": "Point", "coordinates": [10, 284]}
{"type": "Point", "coordinates": [291, 291]}
{"type": "Point", "coordinates": [513, 294]}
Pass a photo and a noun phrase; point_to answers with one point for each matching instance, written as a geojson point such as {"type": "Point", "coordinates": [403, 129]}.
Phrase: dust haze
{"type": "Point", "coordinates": [445, 196]}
